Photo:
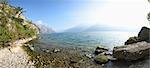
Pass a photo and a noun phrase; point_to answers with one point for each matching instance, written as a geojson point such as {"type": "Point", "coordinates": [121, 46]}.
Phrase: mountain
{"type": "Point", "coordinates": [96, 27]}
{"type": "Point", "coordinates": [45, 29]}
{"type": "Point", "coordinates": [77, 29]}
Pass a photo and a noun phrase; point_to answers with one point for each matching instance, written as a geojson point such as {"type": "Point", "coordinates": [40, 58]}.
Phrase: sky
{"type": "Point", "coordinates": [64, 14]}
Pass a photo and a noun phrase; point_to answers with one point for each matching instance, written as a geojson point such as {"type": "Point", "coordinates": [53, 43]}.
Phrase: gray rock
{"type": "Point", "coordinates": [144, 34]}
{"type": "Point", "coordinates": [89, 55]}
{"type": "Point", "coordinates": [31, 47]}
{"type": "Point", "coordinates": [100, 50]}
{"type": "Point", "coordinates": [132, 51]}
{"type": "Point", "coordinates": [47, 51]}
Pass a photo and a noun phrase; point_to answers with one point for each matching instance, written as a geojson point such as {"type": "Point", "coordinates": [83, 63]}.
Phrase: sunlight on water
{"type": "Point", "coordinates": [87, 39]}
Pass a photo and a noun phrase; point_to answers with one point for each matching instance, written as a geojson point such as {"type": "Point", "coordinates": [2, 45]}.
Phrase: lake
{"type": "Point", "coordinates": [87, 39]}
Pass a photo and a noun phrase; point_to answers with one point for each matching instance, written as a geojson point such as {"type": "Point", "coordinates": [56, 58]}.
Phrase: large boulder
{"type": "Point", "coordinates": [144, 34]}
{"type": "Point", "coordinates": [132, 52]}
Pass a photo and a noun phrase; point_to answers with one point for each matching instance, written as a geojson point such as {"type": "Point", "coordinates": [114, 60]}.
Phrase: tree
{"type": "Point", "coordinates": [148, 16]}
{"type": "Point", "coordinates": [19, 11]}
{"type": "Point", "coordinates": [4, 1]}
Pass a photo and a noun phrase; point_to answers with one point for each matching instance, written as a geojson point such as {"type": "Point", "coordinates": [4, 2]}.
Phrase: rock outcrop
{"type": "Point", "coordinates": [132, 51]}
{"type": "Point", "coordinates": [144, 35]}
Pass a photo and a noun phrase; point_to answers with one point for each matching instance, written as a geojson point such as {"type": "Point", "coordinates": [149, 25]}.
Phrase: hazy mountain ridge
{"type": "Point", "coordinates": [45, 29]}
{"type": "Point", "coordinates": [98, 28]}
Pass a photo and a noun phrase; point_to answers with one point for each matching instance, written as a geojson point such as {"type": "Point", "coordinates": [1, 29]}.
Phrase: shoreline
{"type": "Point", "coordinates": [52, 57]}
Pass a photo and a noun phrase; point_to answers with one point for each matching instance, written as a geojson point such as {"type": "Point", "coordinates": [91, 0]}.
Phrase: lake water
{"type": "Point", "coordinates": [87, 39]}
{"type": "Point", "coordinates": [92, 40]}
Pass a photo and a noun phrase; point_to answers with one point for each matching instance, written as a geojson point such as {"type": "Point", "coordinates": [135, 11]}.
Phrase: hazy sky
{"type": "Point", "coordinates": [64, 14]}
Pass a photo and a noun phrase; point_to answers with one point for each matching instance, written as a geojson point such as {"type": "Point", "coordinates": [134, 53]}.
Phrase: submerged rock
{"type": "Point", "coordinates": [132, 52]}
{"type": "Point", "coordinates": [101, 59]}
{"type": "Point", "coordinates": [100, 50]}
{"type": "Point", "coordinates": [144, 34]}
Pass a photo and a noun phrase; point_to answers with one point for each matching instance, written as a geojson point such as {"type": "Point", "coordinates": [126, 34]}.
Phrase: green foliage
{"type": "Point", "coordinates": [4, 35]}
{"type": "Point", "coordinates": [13, 27]}
{"type": "Point", "coordinates": [4, 1]}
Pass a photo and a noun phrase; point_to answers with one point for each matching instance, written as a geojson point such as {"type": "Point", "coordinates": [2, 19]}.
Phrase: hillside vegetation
{"type": "Point", "coordinates": [13, 25]}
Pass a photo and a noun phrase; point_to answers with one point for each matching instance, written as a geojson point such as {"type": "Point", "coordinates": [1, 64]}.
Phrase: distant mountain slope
{"type": "Point", "coordinates": [45, 29]}
{"type": "Point", "coordinates": [98, 28]}
{"type": "Point", "coordinates": [77, 29]}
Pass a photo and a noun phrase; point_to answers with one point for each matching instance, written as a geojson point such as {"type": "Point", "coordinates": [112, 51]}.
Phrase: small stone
{"type": "Point", "coordinates": [102, 64]}
{"type": "Point", "coordinates": [38, 56]}
{"type": "Point", "coordinates": [73, 61]}
{"type": "Point", "coordinates": [47, 51]}
{"type": "Point", "coordinates": [89, 55]}
{"type": "Point", "coordinates": [31, 47]}
{"type": "Point", "coordinates": [56, 50]}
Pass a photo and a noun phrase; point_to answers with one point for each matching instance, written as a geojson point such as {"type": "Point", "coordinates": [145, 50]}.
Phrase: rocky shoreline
{"type": "Point", "coordinates": [30, 56]}
{"type": "Point", "coordinates": [135, 48]}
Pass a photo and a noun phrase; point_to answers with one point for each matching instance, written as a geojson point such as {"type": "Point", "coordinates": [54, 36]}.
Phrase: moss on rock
{"type": "Point", "coordinates": [101, 59]}
{"type": "Point", "coordinates": [132, 40]}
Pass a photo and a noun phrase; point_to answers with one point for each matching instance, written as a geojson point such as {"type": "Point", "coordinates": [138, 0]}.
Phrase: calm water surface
{"type": "Point", "coordinates": [87, 39]}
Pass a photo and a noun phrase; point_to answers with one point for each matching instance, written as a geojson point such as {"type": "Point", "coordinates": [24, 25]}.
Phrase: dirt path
{"type": "Point", "coordinates": [14, 56]}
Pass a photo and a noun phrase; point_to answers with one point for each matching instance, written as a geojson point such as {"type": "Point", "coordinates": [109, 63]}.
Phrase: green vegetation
{"type": "Point", "coordinates": [13, 25]}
